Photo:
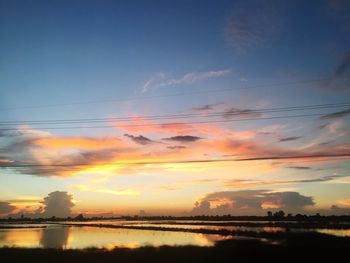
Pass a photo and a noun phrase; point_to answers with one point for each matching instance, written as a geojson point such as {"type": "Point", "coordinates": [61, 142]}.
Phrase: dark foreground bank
{"type": "Point", "coordinates": [294, 247]}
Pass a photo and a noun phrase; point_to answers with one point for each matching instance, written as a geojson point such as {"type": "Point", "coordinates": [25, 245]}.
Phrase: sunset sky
{"type": "Point", "coordinates": [175, 107]}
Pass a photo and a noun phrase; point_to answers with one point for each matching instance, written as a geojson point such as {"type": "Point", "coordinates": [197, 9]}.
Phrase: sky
{"type": "Point", "coordinates": [174, 107]}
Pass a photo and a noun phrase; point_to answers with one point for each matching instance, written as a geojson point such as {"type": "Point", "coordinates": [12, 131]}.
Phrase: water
{"type": "Point", "coordinates": [52, 235]}
{"type": "Point", "coordinates": [56, 236]}
{"type": "Point", "coordinates": [186, 224]}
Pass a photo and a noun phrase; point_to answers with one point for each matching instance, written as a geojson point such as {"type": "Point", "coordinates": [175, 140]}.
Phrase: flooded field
{"type": "Point", "coordinates": [56, 236]}
{"type": "Point", "coordinates": [110, 234]}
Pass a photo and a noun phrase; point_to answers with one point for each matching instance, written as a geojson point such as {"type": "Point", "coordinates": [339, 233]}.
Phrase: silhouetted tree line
{"type": "Point", "coordinates": [276, 216]}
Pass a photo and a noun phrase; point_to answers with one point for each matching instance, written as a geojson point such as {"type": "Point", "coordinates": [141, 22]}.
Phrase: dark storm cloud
{"type": "Point", "coordinates": [139, 139]}
{"type": "Point", "coordinates": [292, 138]}
{"type": "Point", "coordinates": [183, 138]}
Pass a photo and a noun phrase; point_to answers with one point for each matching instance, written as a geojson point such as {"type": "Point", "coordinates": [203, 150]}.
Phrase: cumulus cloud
{"type": "Point", "coordinates": [139, 139]}
{"type": "Point", "coordinates": [163, 80]}
{"type": "Point", "coordinates": [58, 204]}
{"type": "Point", "coordinates": [251, 202]}
{"type": "Point", "coordinates": [183, 138]}
{"type": "Point", "coordinates": [6, 208]}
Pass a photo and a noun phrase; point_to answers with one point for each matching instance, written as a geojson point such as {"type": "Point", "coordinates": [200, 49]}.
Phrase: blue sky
{"type": "Point", "coordinates": [72, 52]}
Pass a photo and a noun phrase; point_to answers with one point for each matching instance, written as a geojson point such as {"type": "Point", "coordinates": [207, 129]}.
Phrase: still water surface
{"type": "Point", "coordinates": [56, 236]}
{"type": "Point", "coordinates": [51, 235]}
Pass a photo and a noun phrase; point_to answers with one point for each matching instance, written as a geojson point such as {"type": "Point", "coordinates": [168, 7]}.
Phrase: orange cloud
{"type": "Point", "coordinates": [79, 143]}
{"type": "Point", "coordinates": [345, 202]}
{"type": "Point", "coordinates": [242, 184]}
{"type": "Point", "coordinates": [270, 205]}
{"type": "Point", "coordinates": [141, 126]}
{"type": "Point", "coordinates": [86, 188]}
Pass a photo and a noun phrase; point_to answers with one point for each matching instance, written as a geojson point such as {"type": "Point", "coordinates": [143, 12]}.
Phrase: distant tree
{"type": "Point", "coordinates": [269, 213]}
{"type": "Point", "coordinates": [79, 217]}
{"type": "Point", "coordinates": [279, 214]}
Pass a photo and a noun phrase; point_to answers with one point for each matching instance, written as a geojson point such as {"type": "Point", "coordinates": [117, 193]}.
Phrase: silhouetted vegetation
{"type": "Point", "coordinates": [277, 216]}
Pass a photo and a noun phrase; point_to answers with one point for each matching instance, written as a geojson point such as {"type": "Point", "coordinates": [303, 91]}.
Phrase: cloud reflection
{"type": "Point", "coordinates": [54, 237]}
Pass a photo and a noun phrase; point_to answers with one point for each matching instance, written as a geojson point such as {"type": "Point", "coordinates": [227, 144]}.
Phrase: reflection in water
{"type": "Point", "coordinates": [335, 232]}
{"type": "Point", "coordinates": [20, 237]}
{"type": "Point", "coordinates": [273, 229]}
{"type": "Point", "coordinates": [54, 237]}
{"type": "Point", "coordinates": [84, 237]}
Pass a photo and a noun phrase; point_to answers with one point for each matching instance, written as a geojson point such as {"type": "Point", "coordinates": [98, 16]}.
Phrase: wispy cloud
{"type": "Point", "coordinates": [176, 147]}
{"type": "Point", "coordinates": [246, 113]}
{"type": "Point", "coordinates": [245, 184]}
{"type": "Point", "coordinates": [341, 75]}
{"type": "Point", "coordinates": [292, 138]}
{"type": "Point", "coordinates": [139, 139]}
{"type": "Point", "coordinates": [335, 115]}
{"type": "Point", "coordinates": [183, 138]}
{"type": "Point", "coordinates": [345, 202]}
{"type": "Point", "coordinates": [299, 167]}
{"type": "Point", "coordinates": [163, 80]}
{"type": "Point", "coordinates": [86, 188]}
{"type": "Point", "coordinates": [72, 156]}
{"type": "Point", "coordinates": [344, 66]}
{"type": "Point", "coordinates": [207, 107]}
{"type": "Point", "coordinates": [253, 23]}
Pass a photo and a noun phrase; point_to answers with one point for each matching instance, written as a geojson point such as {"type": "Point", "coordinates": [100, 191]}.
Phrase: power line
{"type": "Point", "coordinates": [305, 81]}
{"type": "Point", "coordinates": [229, 113]}
{"type": "Point", "coordinates": [262, 158]}
{"type": "Point", "coordinates": [164, 125]}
